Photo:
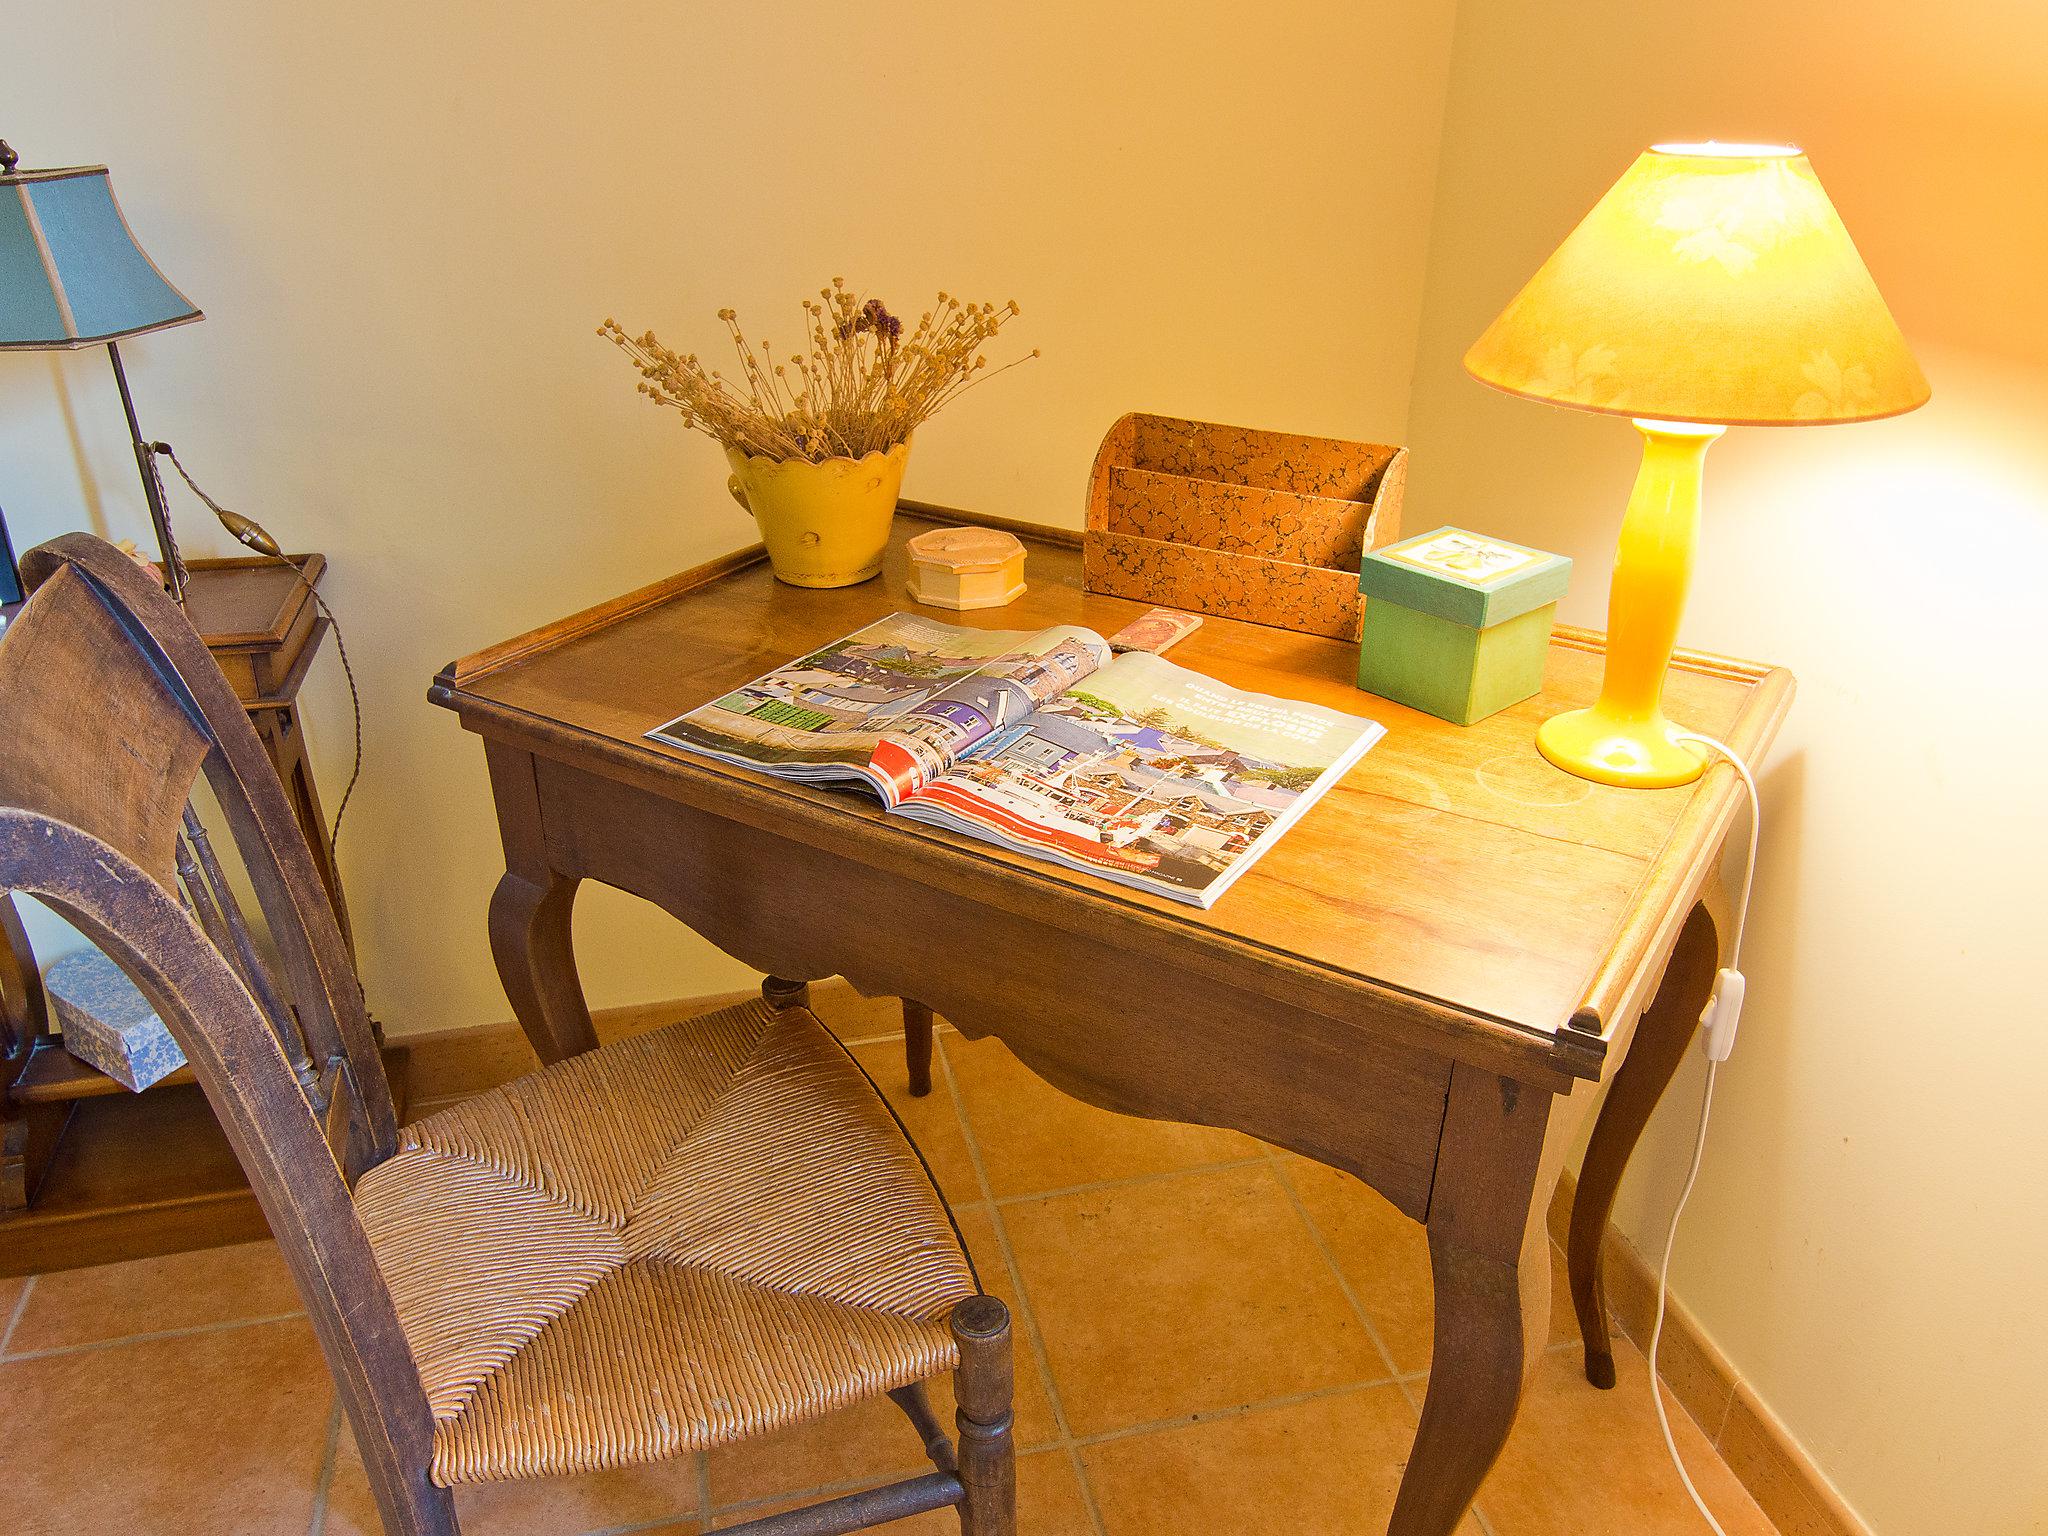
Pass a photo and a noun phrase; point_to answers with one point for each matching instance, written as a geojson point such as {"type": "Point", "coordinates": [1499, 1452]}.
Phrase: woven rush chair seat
{"type": "Point", "coordinates": [699, 1234]}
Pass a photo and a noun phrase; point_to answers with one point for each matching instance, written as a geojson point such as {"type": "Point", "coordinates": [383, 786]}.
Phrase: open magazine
{"type": "Point", "coordinates": [1128, 767]}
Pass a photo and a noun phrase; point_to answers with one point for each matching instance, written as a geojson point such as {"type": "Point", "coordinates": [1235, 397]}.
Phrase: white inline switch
{"type": "Point", "coordinates": [1722, 1013]}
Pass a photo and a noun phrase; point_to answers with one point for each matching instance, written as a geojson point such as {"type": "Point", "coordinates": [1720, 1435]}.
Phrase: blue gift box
{"type": "Point", "coordinates": [108, 1023]}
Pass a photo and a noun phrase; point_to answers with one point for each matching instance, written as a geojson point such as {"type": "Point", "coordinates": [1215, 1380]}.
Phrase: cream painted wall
{"type": "Point", "coordinates": [405, 220]}
{"type": "Point", "coordinates": [1870, 1234]}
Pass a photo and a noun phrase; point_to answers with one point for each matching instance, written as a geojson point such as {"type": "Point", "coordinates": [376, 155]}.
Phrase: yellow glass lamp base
{"type": "Point", "coordinates": [1612, 749]}
{"type": "Point", "coordinates": [1624, 739]}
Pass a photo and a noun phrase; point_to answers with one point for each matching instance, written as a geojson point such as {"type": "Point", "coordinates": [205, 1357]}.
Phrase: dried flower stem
{"type": "Point", "coordinates": [861, 387]}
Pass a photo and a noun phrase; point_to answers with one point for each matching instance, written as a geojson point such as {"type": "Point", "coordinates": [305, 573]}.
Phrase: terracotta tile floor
{"type": "Point", "coordinates": [1211, 1337]}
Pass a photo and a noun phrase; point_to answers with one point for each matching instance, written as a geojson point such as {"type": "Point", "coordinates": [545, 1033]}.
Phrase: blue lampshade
{"type": "Point", "coordinates": [71, 274]}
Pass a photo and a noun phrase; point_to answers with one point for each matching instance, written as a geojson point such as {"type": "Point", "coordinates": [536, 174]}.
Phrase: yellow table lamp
{"type": "Point", "coordinates": [1713, 286]}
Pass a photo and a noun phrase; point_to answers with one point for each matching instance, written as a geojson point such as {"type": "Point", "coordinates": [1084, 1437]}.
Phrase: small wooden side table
{"type": "Point", "coordinates": [261, 624]}
{"type": "Point", "coordinates": [89, 1172]}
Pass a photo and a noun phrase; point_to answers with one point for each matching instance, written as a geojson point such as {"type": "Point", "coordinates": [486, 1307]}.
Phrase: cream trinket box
{"type": "Point", "coordinates": [966, 568]}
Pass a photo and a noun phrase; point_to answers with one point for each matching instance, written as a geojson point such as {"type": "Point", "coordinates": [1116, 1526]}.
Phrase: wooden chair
{"type": "Point", "coordinates": [707, 1232]}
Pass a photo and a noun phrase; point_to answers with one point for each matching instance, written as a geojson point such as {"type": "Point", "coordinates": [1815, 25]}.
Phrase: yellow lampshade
{"type": "Point", "coordinates": [1714, 284]}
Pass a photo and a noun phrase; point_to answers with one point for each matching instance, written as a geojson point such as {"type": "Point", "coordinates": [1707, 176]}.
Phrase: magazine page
{"type": "Point", "coordinates": [1150, 775]}
{"type": "Point", "coordinates": [922, 685]}
{"type": "Point", "coordinates": [925, 738]}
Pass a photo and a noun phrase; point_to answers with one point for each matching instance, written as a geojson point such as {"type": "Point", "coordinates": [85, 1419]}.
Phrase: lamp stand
{"type": "Point", "coordinates": [152, 489]}
{"type": "Point", "coordinates": [1624, 739]}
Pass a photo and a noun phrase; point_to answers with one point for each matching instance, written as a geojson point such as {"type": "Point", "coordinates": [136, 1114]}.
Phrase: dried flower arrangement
{"type": "Point", "coordinates": [863, 387]}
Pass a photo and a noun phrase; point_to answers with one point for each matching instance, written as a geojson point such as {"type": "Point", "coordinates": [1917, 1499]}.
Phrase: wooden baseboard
{"type": "Point", "coordinates": [1759, 1450]}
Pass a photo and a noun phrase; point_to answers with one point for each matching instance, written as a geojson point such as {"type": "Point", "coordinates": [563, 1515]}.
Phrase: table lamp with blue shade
{"type": "Point", "coordinates": [1712, 287]}
{"type": "Point", "coordinates": [71, 276]}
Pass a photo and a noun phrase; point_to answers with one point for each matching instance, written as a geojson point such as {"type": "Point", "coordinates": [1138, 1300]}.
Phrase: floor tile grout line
{"type": "Point", "coordinates": [1267, 1155]}
{"type": "Point", "coordinates": [888, 1037]}
{"type": "Point", "coordinates": [1127, 1182]}
{"type": "Point", "coordinates": [821, 1491]}
{"type": "Point", "coordinates": [1078, 1442]}
{"type": "Point", "coordinates": [1033, 1337]}
{"type": "Point", "coordinates": [1235, 1411]}
{"type": "Point", "coordinates": [323, 1485]}
{"type": "Point", "coordinates": [14, 1317]}
{"type": "Point", "coordinates": [659, 1522]}
{"type": "Point", "coordinates": [197, 1330]}
{"type": "Point", "coordinates": [1337, 1271]}
{"type": "Point", "coordinates": [1404, 1383]}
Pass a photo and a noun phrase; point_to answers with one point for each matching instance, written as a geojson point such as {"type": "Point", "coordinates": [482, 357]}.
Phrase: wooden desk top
{"type": "Point", "coordinates": [1452, 872]}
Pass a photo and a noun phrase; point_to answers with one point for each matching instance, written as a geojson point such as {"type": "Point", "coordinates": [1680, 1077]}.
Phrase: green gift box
{"type": "Point", "coordinates": [1457, 624]}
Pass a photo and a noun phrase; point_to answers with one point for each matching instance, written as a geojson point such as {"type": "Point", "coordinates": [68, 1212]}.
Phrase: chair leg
{"type": "Point", "coordinates": [918, 1409]}
{"type": "Point", "coordinates": [408, 1503]}
{"type": "Point", "coordinates": [988, 1451]}
{"type": "Point", "coordinates": [917, 1047]}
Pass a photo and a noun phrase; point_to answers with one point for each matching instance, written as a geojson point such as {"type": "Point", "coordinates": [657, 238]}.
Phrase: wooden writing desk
{"type": "Point", "coordinates": [1422, 983]}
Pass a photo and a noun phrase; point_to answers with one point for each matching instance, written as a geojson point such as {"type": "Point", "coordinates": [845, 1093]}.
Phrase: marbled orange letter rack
{"type": "Point", "coordinates": [1239, 523]}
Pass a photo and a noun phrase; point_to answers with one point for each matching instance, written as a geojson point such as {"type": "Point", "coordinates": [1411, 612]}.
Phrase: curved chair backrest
{"type": "Point", "coordinates": [113, 710]}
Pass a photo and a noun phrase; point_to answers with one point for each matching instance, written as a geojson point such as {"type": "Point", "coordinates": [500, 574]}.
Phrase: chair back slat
{"type": "Point", "coordinates": [213, 899]}
{"type": "Point", "coordinates": [114, 710]}
{"type": "Point", "coordinates": [77, 674]}
{"type": "Point", "coordinates": [339, 1103]}
{"type": "Point", "coordinates": [151, 668]}
{"type": "Point", "coordinates": [296, 1177]}
{"type": "Point", "coordinates": [24, 1010]}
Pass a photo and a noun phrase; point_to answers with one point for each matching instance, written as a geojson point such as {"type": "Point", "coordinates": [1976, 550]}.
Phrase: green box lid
{"type": "Point", "coordinates": [1468, 578]}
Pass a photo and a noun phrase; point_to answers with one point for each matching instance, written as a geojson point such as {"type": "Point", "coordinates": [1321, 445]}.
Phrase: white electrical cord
{"type": "Point", "coordinates": [1722, 1012]}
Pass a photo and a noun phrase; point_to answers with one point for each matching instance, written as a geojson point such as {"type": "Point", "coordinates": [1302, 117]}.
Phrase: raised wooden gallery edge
{"type": "Point", "coordinates": [1528, 936]}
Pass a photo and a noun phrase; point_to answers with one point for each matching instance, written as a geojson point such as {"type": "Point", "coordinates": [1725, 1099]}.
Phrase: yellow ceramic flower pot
{"type": "Point", "coordinates": [825, 524]}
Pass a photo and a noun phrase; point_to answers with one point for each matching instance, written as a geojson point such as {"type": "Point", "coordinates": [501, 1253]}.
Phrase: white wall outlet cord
{"type": "Point", "coordinates": [1718, 1020]}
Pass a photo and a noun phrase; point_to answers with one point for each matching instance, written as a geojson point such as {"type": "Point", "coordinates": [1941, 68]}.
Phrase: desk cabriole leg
{"type": "Point", "coordinates": [780, 992]}
{"type": "Point", "coordinates": [1660, 1042]}
{"type": "Point", "coordinates": [530, 920]}
{"type": "Point", "coordinates": [917, 1047]}
{"type": "Point", "coordinates": [1489, 1258]}
{"type": "Point", "coordinates": [530, 939]}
